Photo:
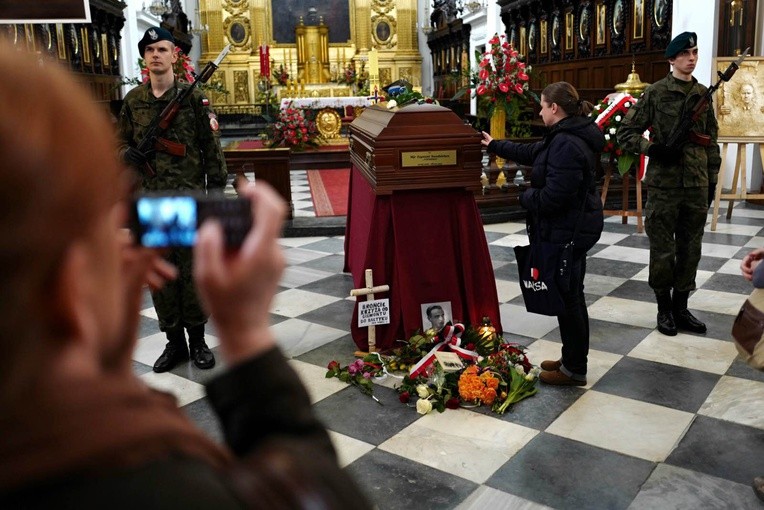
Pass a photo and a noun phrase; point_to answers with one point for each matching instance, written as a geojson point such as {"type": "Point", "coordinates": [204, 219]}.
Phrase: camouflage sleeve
{"type": "Point", "coordinates": [209, 143]}
{"type": "Point", "coordinates": [636, 121]}
{"type": "Point", "coordinates": [124, 129]}
{"type": "Point", "coordinates": [712, 151]}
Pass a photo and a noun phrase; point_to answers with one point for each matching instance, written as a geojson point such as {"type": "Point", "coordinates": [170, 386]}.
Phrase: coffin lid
{"type": "Point", "coordinates": [428, 121]}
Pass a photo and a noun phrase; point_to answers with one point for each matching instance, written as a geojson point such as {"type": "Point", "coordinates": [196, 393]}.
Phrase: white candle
{"type": "Point", "coordinates": [373, 65]}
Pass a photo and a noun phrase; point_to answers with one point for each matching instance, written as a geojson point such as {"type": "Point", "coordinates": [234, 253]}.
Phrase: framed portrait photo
{"type": "Point", "coordinates": [639, 19]}
{"type": "Point", "coordinates": [436, 315]}
{"type": "Point", "coordinates": [739, 102]}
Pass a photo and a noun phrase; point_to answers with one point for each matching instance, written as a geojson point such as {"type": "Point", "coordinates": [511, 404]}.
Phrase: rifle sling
{"type": "Point", "coordinates": [170, 147]}
{"type": "Point", "coordinates": [700, 139]}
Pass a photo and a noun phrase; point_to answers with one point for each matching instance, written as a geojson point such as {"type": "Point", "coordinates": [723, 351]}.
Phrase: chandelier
{"type": "Point", "coordinates": [475, 5]}
{"type": "Point", "coordinates": [197, 27]}
{"type": "Point", "coordinates": [159, 7]}
{"type": "Point", "coordinates": [425, 26]}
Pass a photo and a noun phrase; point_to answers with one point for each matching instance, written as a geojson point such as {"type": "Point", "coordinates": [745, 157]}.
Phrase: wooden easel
{"type": "Point", "coordinates": [738, 177]}
{"type": "Point", "coordinates": [624, 212]}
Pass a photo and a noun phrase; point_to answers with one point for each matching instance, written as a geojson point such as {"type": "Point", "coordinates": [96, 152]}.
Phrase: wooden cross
{"type": "Point", "coordinates": [369, 291]}
{"type": "Point", "coordinates": [376, 97]}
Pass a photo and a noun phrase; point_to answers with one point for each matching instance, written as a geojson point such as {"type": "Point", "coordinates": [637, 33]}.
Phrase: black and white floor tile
{"type": "Point", "coordinates": [664, 422]}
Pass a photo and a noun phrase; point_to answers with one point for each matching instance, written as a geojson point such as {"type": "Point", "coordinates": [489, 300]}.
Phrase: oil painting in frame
{"type": "Point", "coordinates": [601, 20]}
{"type": "Point", "coordinates": [568, 30]}
{"type": "Point", "coordinates": [639, 19]}
{"type": "Point", "coordinates": [61, 41]}
{"type": "Point", "coordinates": [543, 31]}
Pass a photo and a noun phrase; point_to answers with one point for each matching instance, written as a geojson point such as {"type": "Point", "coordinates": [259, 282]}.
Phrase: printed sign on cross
{"type": "Point", "coordinates": [383, 317]}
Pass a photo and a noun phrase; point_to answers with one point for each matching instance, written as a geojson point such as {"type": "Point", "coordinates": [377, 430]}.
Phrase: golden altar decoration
{"type": "Point", "coordinates": [329, 123]}
{"type": "Point", "coordinates": [389, 26]}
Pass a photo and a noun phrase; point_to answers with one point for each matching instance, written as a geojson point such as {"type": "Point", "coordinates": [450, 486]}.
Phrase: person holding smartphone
{"type": "Point", "coordinates": [202, 167]}
{"type": "Point", "coordinates": [79, 428]}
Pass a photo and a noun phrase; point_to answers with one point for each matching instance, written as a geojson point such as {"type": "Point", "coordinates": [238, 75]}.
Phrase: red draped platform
{"type": "Point", "coordinates": [429, 246]}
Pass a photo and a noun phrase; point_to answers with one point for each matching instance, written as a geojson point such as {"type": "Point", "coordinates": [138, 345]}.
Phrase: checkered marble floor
{"type": "Point", "coordinates": [663, 422]}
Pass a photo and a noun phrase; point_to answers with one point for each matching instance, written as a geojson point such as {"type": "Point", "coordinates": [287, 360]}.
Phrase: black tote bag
{"type": "Point", "coordinates": [538, 264]}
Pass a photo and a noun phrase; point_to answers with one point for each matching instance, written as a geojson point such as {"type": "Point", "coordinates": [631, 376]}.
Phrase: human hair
{"type": "Point", "coordinates": [59, 174]}
{"type": "Point", "coordinates": [566, 97]}
{"type": "Point", "coordinates": [431, 308]}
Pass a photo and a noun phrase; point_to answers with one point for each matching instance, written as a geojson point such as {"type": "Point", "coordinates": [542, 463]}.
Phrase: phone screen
{"type": "Point", "coordinates": [166, 220]}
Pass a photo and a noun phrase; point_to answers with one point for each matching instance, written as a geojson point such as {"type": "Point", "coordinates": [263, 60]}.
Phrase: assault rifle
{"type": "Point", "coordinates": [153, 139]}
{"type": "Point", "coordinates": [682, 131]}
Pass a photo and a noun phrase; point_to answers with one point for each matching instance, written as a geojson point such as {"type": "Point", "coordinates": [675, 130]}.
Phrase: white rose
{"type": "Point", "coordinates": [530, 377]}
{"type": "Point", "coordinates": [423, 406]}
{"type": "Point", "coordinates": [607, 136]}
{"type": "Point", "coordinates": [519, 369]}
{"type": "Point", "coordinates": [422, 391]}
{"type": "Point", "coordinates": [612, 131]}
{"type": "Point", "coordinates": [618, 118]}
{"type": "Point", "coordinates": [392, 103]}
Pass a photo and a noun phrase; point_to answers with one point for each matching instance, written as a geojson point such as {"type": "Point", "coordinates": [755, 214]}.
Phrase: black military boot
{"type": "Point", "coordinates": [666, 324]}
{"type": "Point", "coordinates": [174, 352]}
{"type": "Point", "coordinates": [200, 353]}
{"type": "Point", "coordinates": [684, 319]}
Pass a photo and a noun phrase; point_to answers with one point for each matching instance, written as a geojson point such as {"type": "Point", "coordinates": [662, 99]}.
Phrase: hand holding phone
{"type": "Point", "coordinates": [237, 288]}
{"type": "Point", "coordinates": [162, 220]}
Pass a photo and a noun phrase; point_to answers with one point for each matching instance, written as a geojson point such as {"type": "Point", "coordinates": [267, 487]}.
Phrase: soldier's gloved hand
{"type": "Point", "coordinates": [134, 157]}
{"type": "Point", "coordinates": [664, 154]}
{"type": "Point", "coordinates": [711, 193]}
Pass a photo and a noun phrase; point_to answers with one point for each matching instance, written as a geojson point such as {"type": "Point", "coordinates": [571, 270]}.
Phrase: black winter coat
{"type": "Point", "coordinates": [562, 177]}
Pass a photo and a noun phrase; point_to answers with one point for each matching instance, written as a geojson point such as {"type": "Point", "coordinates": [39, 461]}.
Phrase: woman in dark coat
{"type": "Point", "coordinates": [561, 182]}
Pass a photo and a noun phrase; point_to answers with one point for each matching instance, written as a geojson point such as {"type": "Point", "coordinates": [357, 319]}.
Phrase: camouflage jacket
{"type": "Point", "coordinates": [660, 108]}
{"type": "Point", "coordinates": [195, 126]}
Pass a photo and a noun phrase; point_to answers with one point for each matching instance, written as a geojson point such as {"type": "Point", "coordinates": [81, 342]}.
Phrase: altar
{"type": "Point", "coordinates": [318, 103]}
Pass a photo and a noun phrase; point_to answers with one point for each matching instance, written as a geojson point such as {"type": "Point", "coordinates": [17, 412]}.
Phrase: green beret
{"type": "Point", "coordinates": [683, 41]}
{"type": "Point", "coordinates": [152, 35]}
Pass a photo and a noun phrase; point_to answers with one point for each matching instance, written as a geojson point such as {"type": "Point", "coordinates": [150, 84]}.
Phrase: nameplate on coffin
{"type": "Point", "coordinates": [428, 158]}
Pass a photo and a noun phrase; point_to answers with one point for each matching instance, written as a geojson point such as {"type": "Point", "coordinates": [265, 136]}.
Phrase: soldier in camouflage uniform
{"type": "Point", "coordinates": [202, 167]}
{"type": "Point", "coordinates": [681, 182]}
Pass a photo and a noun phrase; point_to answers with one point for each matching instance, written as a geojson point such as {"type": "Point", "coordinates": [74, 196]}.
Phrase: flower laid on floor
{"type": "Point", "coordinates": [492, 372]}
{"type": "Point", "coordinates": [358, 373]}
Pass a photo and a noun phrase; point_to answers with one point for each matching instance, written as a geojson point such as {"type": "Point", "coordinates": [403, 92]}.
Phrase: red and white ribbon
{"type": "Point", "coordinates": [617, 104]}
{"type": "Point", "coordinates": [451, 336]}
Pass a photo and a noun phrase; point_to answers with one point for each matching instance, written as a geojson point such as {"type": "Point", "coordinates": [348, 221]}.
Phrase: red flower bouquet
{"type": "Point", "coordinates": [502, 76]}
{"type": "Point", "coordinates": [292, 129]}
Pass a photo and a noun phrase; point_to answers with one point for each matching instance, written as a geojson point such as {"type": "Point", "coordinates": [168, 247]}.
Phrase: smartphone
{"type": "Point", "coordinates": [161, 220]}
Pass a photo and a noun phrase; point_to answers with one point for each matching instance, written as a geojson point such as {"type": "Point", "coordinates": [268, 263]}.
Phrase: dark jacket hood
{"type": "Point", "coordinates": [582, 127]}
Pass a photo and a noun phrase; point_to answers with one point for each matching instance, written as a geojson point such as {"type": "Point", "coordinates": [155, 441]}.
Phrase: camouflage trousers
{"type": "Point", "coordinates": [674, 222]}
{"type": "Point", "coordinates": [177, 303]}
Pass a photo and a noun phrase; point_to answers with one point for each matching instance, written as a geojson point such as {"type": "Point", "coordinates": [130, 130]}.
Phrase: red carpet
{"type": "Point", "coordinates": [258, 144]}
{"type": "Point", "coordinates": [329, 191]}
